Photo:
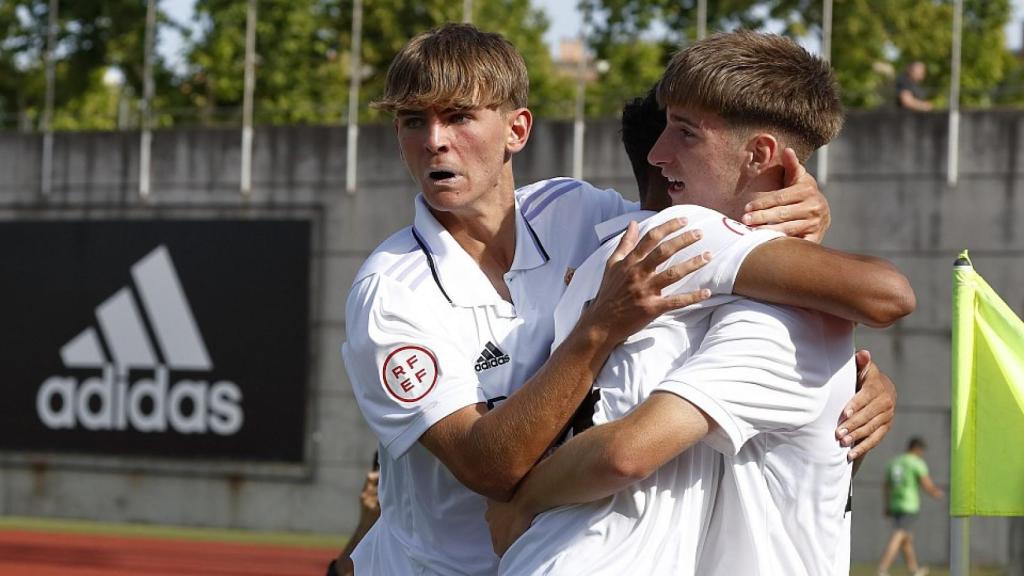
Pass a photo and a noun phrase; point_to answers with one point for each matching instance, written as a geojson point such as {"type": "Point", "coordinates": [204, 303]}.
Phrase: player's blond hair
{"type": "Point", "coordinates": [456, 66]}
{"type": "Point", "coordinates": [758, 80]}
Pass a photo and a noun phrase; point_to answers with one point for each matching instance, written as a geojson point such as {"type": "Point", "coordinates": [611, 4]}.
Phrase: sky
{"type": "Point", "coordinates": [565, 23]}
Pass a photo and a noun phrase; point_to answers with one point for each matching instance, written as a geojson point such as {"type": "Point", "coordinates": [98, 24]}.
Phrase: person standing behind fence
{"type": "Point", "coordinates": [910, 95]}
{"type": "Point", "coordinates": [903, 475]}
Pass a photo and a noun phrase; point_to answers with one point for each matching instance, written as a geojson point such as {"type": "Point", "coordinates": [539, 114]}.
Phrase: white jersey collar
{"type": "Point", "coordinates": [459, 276]}
{"type": "Point", "coordinates": [611, 228]}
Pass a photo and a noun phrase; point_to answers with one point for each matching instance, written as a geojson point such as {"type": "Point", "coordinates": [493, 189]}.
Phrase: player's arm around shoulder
{"type": "Point", "coordinates": [859, 288]}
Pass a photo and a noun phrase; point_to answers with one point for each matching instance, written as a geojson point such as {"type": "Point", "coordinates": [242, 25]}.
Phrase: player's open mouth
{"type": "Point", "coordinates": [676, 187]}
{"type": "Point", "coordinates": [441, 176]}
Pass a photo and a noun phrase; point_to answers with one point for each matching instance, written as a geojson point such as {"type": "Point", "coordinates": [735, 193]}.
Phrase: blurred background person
{"type": "Point", "coordinates": [903, 475]}
{"type": "Point", "coordinates": [910, 94]}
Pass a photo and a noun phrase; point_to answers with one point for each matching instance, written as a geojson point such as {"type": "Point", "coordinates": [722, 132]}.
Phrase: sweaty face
{"type": "Point", "coordinates": [457, 156]}
{"type": "Point", "coordinates": [702, 160]}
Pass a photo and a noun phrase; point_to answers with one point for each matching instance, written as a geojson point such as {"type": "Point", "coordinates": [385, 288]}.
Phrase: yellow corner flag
{"type": "Point", "coordinates": [988, 400]}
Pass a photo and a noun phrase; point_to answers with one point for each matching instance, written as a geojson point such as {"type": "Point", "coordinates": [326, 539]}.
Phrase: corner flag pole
{"type": "Point", "coordinates": [963, 307]}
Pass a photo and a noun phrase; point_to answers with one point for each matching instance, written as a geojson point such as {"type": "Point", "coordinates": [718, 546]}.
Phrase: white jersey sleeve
{"type": "Point", "coordinates": [760, 368]}
{"type": "Point", "coordinates": [728, 241]}
{"type": "Point", "coordinates": [406, 372]}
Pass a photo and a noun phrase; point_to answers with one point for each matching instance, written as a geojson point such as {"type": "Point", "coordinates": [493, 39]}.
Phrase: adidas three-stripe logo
{"type": "Point", "coordinates": [491, 357]}
{"type": "Point", "coordinates": [123, 348]}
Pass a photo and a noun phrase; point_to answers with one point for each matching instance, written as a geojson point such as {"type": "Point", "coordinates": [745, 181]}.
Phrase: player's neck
{"type": "Point", "coordinates": [489, 238]}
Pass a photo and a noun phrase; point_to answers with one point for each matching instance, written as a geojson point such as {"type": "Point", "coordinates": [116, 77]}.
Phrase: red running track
{"type": "Point", "coordinates": [29, 553]}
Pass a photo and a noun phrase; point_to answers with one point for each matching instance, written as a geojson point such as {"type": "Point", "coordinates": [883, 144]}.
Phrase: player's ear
{"type": "Point", "coordinates": [763, 152]}
{"type": "Point", "coordinates": [520, 122]}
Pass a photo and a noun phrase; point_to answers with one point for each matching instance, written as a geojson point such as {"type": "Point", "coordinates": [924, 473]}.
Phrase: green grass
{"type": "Point", "coordinates": [900, 570]}
{"type": "Point", "coordinates": [306, 540]}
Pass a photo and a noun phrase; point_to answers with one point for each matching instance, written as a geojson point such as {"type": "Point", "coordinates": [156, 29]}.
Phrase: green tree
{"type": "Point", "coordinates": [93, 35]}
{"type": "Point", "coordinates": [632, 68]}
{"type": "Point", "coordinates": [870, 37]}
{"type": "Point", "coordinates": [299, 76]}
{"type": "Point", "coordinates": [304, 45]}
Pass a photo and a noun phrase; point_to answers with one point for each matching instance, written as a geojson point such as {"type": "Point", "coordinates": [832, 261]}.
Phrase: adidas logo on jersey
{"type": "Point", "coordinates": [149, 404]}
{"type": "Point", "coordinates": [491, 357]}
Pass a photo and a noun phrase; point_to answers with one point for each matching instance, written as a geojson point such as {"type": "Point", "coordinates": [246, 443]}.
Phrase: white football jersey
{"type": "Point", "coordinates": [775, 380]}
{"type": "Point", "coordinates": [427, 335]}
{"type": "Point", "coordinates": [655, 526]}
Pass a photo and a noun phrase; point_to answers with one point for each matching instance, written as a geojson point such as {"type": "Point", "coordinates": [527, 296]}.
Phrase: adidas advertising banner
{"type": "Point", "coordinates": [178, 339]}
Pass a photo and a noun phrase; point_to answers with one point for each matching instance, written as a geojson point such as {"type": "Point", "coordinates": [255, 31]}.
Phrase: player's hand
{"type": "Point", "coordinates": [799, 209]}
{"type": "Point", "coordinates": [507, 523]}
{"type": "Point", "coordinates": [630, 294]}
{"type": "Point", "coordinates": [867, 417]}
{"type": "Point", "coordinates": [369, 505]}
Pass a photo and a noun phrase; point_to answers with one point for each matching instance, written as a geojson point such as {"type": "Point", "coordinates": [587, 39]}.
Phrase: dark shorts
{"type": "Point", "coordinates": [902, 521]}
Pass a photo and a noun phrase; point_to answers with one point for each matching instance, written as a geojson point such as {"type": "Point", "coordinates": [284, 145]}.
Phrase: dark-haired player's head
{"type": "Point", "coordinates": [642, 123]}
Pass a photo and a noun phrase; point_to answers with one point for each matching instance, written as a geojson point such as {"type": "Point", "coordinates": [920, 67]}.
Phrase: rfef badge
{"type": "Point", "coordinates": [410, 373]}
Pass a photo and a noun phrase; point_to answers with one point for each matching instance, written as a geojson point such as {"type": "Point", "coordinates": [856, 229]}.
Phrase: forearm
{"type": "Point", "coordinates": [509, 440]}
{"type": "Point", "coordinates": [795, 272]}
{"type": "Point", "coordinates": [582, 470]}
{"type": "Point", "coordinates": [608, 458]}
{"type": "Point", "coordinates": [930, 487]}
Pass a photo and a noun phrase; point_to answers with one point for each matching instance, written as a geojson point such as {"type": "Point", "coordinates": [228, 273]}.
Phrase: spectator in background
{"type": "Point", "coordinates": [903, 475]}
{"type": "Point", "coordinates": [909, 92]}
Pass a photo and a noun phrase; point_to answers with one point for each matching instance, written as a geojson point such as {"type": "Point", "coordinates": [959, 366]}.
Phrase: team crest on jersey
{"type": "Point", "coordinates": [410, 373]}
{"type": "Point", "coordinates": [736, 227]}
{"type": "Point", "coordinates": [568, 274]}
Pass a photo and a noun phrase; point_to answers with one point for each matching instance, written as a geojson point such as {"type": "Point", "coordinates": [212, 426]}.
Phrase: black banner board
{"type": "Point", "coordinates": [181, 339]}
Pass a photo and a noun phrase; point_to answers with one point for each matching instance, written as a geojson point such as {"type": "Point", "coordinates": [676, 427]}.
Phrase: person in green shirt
{"type": "Point", "coordinates": [903, 475]}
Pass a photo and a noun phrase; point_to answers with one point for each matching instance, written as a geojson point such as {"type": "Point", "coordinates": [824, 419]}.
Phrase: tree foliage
{"type": "Point", "coordinates": [871, 39]}
{"type": "Point", "coordinates": [92, 36]}
{"type": "Point", "coordinates": [303, 53]}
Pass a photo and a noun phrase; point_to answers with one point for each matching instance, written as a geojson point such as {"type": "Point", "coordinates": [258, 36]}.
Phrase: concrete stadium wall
{"type": "Point", "coordinates": [888, 195]}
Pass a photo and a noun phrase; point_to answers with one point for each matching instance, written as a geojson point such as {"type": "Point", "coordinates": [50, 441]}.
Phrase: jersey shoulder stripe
{"type": "Point", "coordinates": [403, 259]}
{"type": "Point", "coordinates": [398, 258]}
{"type": "Point", "coordinates": [542, 202]}
{"type": "Point", "coordinates": [532, 193]}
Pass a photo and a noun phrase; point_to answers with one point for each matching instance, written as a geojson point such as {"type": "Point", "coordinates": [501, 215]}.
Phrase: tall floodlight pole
{"type": "Point", "coordinates": [247, 97]}
{"type": "Point", "coordinates": [953, 153]}
{"type": "Point", "coordinates": [467, 11]}
{"type": "Point", "coordinates": [46, 174]}
{"type": "Point", "coordinates": [826, 53]}
{"type": "Point", "coordinates": [146, 143]}
{"type": "Point", "coordinates": [355, 76]}
{"type": "Point", "coordinates": [702, 19]}
{"type": "Point", "coordinates": [581, 96]}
